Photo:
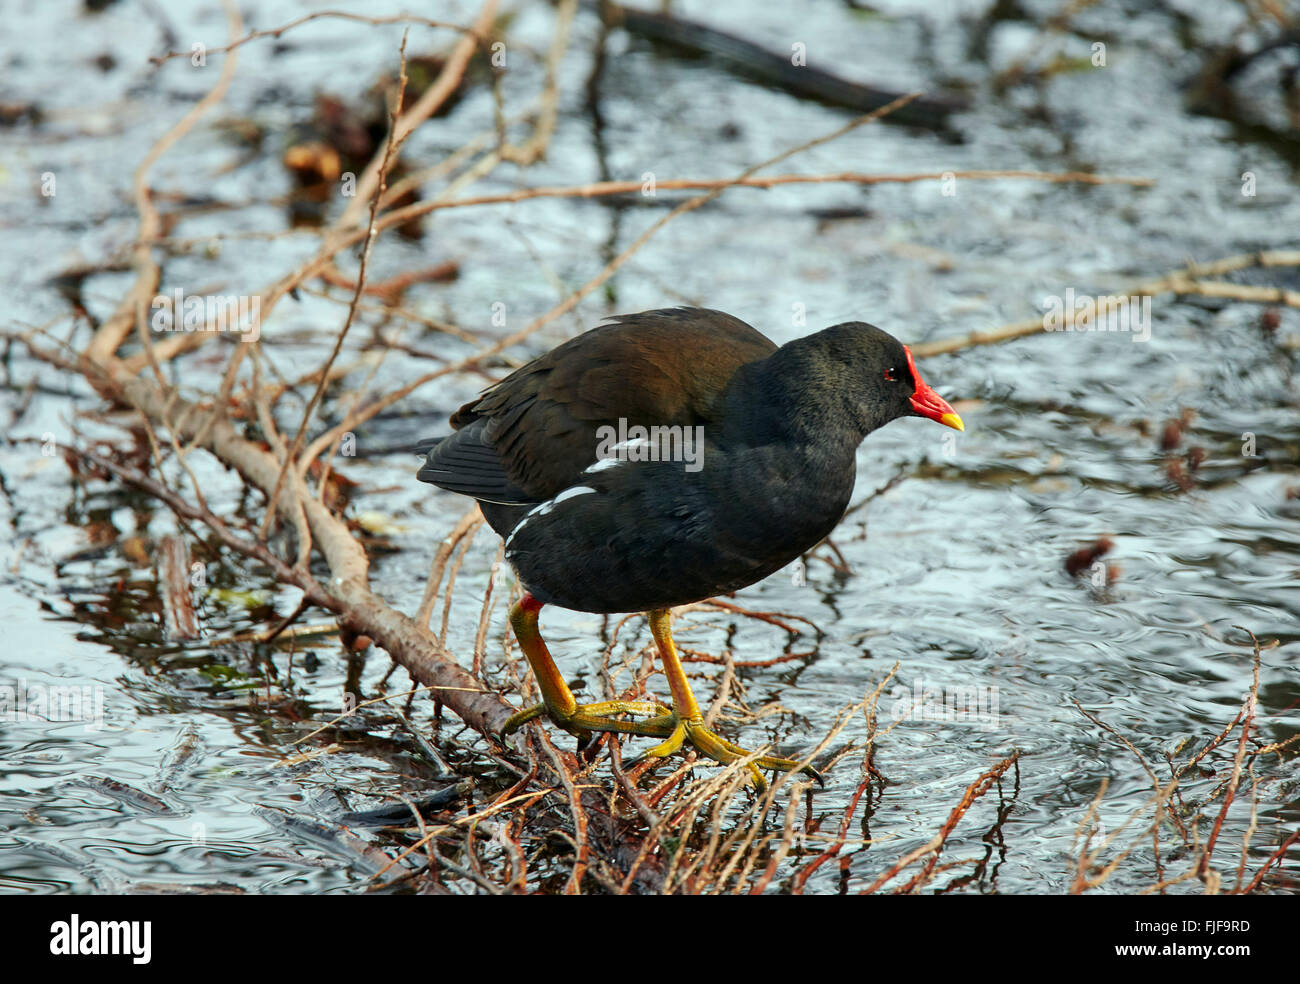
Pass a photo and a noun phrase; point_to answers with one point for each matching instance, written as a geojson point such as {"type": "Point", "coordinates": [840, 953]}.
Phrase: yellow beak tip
{"type": "Point", "coordinates": [953, 421]}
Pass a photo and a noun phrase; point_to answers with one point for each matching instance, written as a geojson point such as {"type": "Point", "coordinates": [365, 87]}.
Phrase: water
{"type": "Point", "coordinates": [956, 573]}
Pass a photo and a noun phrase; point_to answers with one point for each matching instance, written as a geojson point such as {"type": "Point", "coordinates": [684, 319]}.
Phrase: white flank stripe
{"type": "Point", "coordinates": [604, 464]}
{"type": "Point", "coordinates": [618, 454]}
{"type": "Point", "coordinates": [547, 506]}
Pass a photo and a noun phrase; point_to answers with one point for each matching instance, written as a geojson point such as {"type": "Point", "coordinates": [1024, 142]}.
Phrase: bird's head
{"type": "Point", "coordinates": [885, 383]}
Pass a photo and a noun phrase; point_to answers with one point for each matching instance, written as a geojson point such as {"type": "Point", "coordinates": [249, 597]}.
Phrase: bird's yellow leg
{"type": "Point", "coordinates": [690, 722]}
{"type": "Point", "coordinates": [557, 699]}
{"type": "Point", "coordinates": [681, 724]}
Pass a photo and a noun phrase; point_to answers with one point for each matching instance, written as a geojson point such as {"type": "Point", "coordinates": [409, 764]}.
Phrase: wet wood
{"type": "Point", "coordinates": [776, 68]}
{"type": "Point", "coordinates": [179, 618]}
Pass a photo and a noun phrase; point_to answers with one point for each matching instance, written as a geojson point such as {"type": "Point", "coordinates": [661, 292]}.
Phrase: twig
{"type": "Point", "coordinates": [610, 268]}
{"type": "Point", "coordinates": [339, 14]}
{"type": "Point", "coordinates": [390, 148]}
{"type": "Point", "coordinates": [114, 330]}
{"type": "Point", "coordinates": [1203, 870]}
{"type": "Point", "coordinates": [973, 792]}
{"type": "Point", "coordinates": [602, 189]}
{"type": "Point", "coordinates": [174, 579]}
{"type": "Point", "coordinates": [1169, 283]}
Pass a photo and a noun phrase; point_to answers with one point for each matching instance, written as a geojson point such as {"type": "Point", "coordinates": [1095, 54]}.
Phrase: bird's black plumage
{"type": "Point", "coordinates": [773, 474]}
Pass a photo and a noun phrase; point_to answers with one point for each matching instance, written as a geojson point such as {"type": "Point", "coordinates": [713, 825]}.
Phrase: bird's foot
{"type": "Point", "coordinates": [602, 716]}
{"type": "Point", "coordinates": [712, 745]}
{"type": "Point", "coordinates": [662, 723]}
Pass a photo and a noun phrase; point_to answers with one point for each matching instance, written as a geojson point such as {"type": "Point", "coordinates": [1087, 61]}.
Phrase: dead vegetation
{"type": "Point", "coordinates": [576, 823]}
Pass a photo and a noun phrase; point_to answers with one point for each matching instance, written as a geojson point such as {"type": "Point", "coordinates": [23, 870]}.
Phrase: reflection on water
{"type": "Point", "coordinates": [177, 766]}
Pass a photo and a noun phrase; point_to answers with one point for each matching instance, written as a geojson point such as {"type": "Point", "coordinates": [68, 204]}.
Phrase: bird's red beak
{"type": "Point", "coordinates": [927, 403]}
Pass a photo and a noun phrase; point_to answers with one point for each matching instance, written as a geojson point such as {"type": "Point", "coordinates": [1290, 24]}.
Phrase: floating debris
{"type": "Point", "coordinates": [1081, 561]}
{"type": "Point", "coordinates": [179, 758]}
{"type": "Point", "coordinates": [401, 814]}
{"type": "Point", "coordinates": [333, 837]}
{"type": "Point", "coordinates": [137, 799]}
{"type": "Point", "coordinates": [1172, 435]}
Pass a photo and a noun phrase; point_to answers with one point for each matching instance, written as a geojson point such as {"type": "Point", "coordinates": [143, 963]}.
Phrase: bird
{"type": "Point", "coordinates": [661, 459]}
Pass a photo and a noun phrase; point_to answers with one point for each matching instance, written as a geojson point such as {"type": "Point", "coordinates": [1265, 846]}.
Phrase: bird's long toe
{"type": "Point", "coordinates": [586, 719]}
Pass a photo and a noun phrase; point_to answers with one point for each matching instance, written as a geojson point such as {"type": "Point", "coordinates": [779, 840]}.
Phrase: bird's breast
{"type": "Point", "coordinates": [638, 535]}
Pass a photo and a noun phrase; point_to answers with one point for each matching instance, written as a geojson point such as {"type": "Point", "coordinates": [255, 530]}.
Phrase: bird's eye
{"type": "Point", "coordinates": [891, 375]}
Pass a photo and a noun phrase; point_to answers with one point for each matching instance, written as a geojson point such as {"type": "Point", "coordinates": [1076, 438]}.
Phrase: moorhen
{"type": "Point", "coordinates": [661, 459]}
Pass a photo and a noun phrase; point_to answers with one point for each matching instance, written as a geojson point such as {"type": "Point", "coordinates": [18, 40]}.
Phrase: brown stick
{"type": "Point", "coordinates": [973, 792]}
{"type": "Point", "coordinates": [1273, 858]}
{"type": "Point", "coordinates": [601, 189]}
{"type": "Point", "coordinates": [1203, 869]}
{"type": "Point", "coordinates": [391, 146]}
{"type": "Point", "coordinates": [339, 14]}
{"type": "Point", "coordinates": [1170, 283]}
{"type": "Point", "coordinates": [174, 579]}
{"type": "Point", "coordinates": [349, 595]}
{"type": "Point", "coordinates": [356, 418]}
{"type": "Point", "coordinates": [113, 332]}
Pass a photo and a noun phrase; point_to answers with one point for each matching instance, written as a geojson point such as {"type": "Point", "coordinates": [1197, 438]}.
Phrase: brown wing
{"type": "Point", "coordinates": [667, 367]}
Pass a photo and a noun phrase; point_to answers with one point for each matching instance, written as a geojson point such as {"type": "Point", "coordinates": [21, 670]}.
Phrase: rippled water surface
{"type": "Point", "coordinates": [955, 571]}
